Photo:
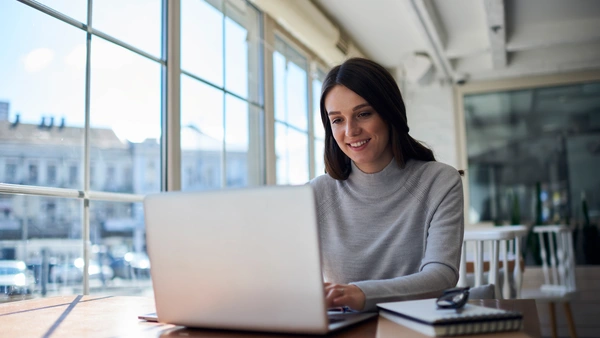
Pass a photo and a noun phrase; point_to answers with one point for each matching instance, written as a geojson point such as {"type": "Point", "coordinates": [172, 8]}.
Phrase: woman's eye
{"type": "Point", "coordinates": [364, 114]}
{"type": "Point", "coordinates": [334, 121]}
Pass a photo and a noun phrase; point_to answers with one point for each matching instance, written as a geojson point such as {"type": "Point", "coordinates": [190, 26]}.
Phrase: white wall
{"type": "Point", "coordinates": [430, 113]}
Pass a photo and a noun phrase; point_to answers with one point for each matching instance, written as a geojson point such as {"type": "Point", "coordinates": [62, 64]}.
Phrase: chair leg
{"type": "Point", "coordinates": [552, 319]}
{"type": "Point", "coordinates": [570, 321]}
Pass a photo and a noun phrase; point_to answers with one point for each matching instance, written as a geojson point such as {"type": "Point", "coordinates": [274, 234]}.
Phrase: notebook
{"type": "Point", "coordinates": [240, 259]}
{"type": "Point", "coordinates": [424, 316]}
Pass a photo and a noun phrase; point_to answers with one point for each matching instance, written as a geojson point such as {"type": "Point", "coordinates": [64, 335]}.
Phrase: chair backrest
{"type": "Point", "coordinates": [558, 259]}
{"type": "Point", "coordinates": [473, 250]}
{"type": "Point", "coordinates": [514, 247]}
{"type": "Point", "coordinates": [500, 241]}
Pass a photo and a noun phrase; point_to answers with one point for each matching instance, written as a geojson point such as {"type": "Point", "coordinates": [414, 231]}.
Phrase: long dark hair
{"type": "Point", "coordinates": [376, 85]}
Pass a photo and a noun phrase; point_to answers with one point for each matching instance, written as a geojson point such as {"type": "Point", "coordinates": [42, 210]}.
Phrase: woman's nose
{"type": "Point", "coordinates": [352, 129]}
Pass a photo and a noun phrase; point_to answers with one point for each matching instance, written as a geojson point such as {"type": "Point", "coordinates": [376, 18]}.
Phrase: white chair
{"type": "Point", "coordinates": [514, 254]}
{"type": "Point", "coordinates": [558, 267]}
{"type": "Point", "coordinates": [500, 241]}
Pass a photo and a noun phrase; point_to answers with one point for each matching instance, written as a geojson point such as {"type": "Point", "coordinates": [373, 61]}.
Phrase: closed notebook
{"type": "Point", "coordinates": [424, 316]}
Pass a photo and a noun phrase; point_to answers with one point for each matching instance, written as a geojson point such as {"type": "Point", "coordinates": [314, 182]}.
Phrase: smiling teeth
{"type": "Point", "coordinates": [358, 144]}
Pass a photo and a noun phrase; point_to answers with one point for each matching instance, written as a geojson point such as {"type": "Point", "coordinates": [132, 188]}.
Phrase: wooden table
{"type": "Point", "coordinates": [101, 316]}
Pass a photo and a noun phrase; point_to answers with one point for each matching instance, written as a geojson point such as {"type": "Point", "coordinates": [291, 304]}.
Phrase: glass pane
{"type": "Point", "coordinates": [291, 149]}
{"type": "Point", "coordinates": [279, 85]}
{"type": "Point", "coordinates": [531, 150]}
{"type": "Point", "coordinates": [243, 152]}
{"type": "Point", "coordinates": [319, 157]}
{"type": "Point", "coordinates": [77, 9]}
{"type": "Point", "coordinates": [291, 54]}
{"type": "Point", "coordinates": [202, 39]}
{"type": "Point", "coordinates": [125, 120]}
{"type": "Point", "coordinates": [319, 131]}
{"type": "Point", "coordinates": [202, 135]}
{"type": "Point", "coordinates": [236, 58]}
{"type": "Point", "coordinates": [40, 234]}
{"type": "Point", "coordinates": [281, 145]}
{"type": "Point", "coordinates": [242, 54]}
{"type": "Point", "coordinates": [119, 263]}
{"type": "Point", "coordinates": [297, 96]}
{"type": "Point", "coordinates": [136, 22]}
{"type": "Point", "coordinates": [290, 86]}
{"type": "Point", "coordinates": [42, 93]}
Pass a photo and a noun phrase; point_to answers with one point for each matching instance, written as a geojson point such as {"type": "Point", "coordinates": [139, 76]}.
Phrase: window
{"type": "Point", "coordinates": [73, 175]}
{"type": "Point", "coordinates": [43, 81]}
{"type": "Point", "coordinates": [110, 173]}
{"type": "Point", "coordinates": [10, 173]}
{"type": "Point", "coordinates": [83, 107]}
{"type": "Point", "coordinates": [290, 72]}
{"type": "Point", "coordinates": [221, 101]}
{"type": "Point", "coordinates": [533, 154]}
{"type": "Point", "coordinates": [152, 176]}
{"type": "Point", "coordinates": [136, 23]}
{"type": "Point", "coordinates": [33, 174]}
{"type": "Point", "coordinates": [127, 185]}
{"type": "Point", "coordinates": [46, 97]}
{"type": "Point", "coordinates": [50, 212]}
{"type": "Point", "coordinates": [111, 181]}
{"type": "Point", "coordinates": [51, 175]}
{"type": "Point", "coordinates": [93, 176]}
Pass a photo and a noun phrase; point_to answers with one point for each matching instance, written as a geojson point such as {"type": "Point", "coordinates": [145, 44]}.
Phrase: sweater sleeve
{"type": "Point", "coordinates": [429, 282]}
{"type": "Point", "coordinates": [439, 266]}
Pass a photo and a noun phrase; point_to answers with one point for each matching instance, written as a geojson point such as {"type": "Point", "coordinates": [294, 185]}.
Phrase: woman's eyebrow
{"type": "Point", "coordinates": [360, 106]}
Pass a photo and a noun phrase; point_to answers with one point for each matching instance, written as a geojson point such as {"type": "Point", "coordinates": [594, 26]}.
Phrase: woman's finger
{"type": "Point", "coordinates": [335, 296]}
{"type": "Point", "coordinates": [339, 297]}
{"type": "Point", "coordinates": [332, 286]}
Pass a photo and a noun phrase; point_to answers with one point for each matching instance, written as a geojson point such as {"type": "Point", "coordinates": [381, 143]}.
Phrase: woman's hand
{"type": "Point", "coordinates": [339, 295]}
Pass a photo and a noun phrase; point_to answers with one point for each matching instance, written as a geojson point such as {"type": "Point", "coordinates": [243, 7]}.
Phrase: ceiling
{"type": "Point", "coordinates": [471, 40]}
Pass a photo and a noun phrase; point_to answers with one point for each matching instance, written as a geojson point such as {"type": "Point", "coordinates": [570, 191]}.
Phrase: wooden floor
{"type": "Point", "coordinates": [585, 304]}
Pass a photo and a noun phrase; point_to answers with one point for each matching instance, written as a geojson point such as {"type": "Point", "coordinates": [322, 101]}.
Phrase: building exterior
{"type": "Point", "coordinates": [51, 154]}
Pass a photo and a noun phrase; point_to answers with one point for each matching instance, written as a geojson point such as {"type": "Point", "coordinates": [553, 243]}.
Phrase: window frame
{"type": "Point", "coordinates": [170, 146]}
{"type": "Point", "coordinates": [274, 30]}
{"type": "Point", "coordinates": [258, 104]}
{"type": "Point", "coordinates": [86, 194]}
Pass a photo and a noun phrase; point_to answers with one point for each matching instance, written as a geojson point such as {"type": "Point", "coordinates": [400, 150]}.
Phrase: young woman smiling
{"type": "Point", "coordinates": [390, 216]}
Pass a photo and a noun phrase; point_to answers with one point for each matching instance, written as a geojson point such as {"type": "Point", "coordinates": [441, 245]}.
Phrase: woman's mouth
{"type": "Point", "coordinates": [358, 144]}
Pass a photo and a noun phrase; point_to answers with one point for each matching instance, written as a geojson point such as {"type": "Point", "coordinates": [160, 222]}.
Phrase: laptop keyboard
{"type": "Point", "coordinates": [333, 320]}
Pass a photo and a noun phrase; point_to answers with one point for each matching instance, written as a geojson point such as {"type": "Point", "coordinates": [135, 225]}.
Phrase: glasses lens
{"type": "Point", "coordinates": [453, 300]}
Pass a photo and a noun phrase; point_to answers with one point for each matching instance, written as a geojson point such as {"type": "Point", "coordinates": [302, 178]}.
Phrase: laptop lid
{"type": "Point", "coordinates": [243, 259]}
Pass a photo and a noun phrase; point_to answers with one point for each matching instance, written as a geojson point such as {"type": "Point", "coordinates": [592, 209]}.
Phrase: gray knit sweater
{"type": "Point", "coordinates": [395, 234]}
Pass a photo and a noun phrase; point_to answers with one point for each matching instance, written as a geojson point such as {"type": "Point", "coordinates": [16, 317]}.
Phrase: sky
{"type": "Point", "coordinates": [42, 67]}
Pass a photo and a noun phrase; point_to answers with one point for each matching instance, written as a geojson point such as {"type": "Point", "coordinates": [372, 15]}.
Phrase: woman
{"type": "Point", "coordinates": [390, 216]}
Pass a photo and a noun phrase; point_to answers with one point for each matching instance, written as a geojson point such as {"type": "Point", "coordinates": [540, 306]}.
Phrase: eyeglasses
{"type": "Point", "coordinates": [454, 298]}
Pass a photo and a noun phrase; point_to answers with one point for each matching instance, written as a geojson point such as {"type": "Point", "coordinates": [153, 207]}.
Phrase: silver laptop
{"type": "Point", "coordinates": [240, 259]}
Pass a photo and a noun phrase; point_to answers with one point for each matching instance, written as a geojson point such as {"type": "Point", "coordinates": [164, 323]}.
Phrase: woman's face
{"type": "Point", "coordinates": [358, 129]}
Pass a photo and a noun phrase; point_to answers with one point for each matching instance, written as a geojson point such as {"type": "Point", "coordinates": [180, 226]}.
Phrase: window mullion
{"type": "Point", "coordinates": [224, 144]}
{"type": "Point", "coordinates": [171, 124]}
{"type": "Point", "coordinates": [86, 158]}
{"type": "Point", "coordinates": [310, 124]}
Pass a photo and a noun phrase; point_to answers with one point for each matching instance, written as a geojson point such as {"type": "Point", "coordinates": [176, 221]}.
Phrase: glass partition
{"type": "Point", "coordinates": [534, 154]}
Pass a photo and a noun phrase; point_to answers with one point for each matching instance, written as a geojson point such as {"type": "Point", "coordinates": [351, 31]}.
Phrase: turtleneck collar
{"type": "Point", "coordinates": [381, 183]}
